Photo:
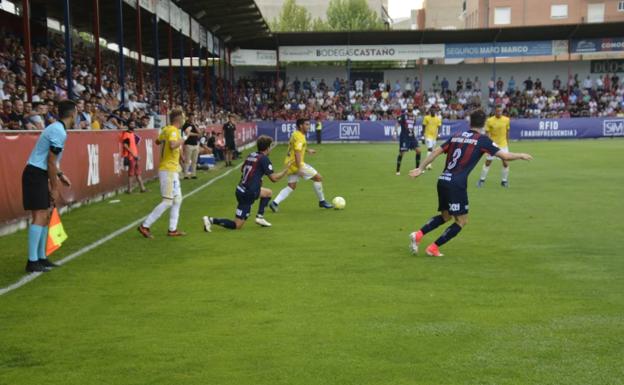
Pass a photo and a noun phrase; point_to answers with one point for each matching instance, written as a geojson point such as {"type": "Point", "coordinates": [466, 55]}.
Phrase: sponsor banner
{"type": "Point", "coordinates": [203, 37]}
{"type": "Point", "coordinates": [246, 132]}
{"type": "Point", "coordinates": [183, 22]}
{"type": "Point", "coordinates": [162, 10]}
{"type": "Point", "coordinates": [502, 49]}
{"type": "Point", "coordinates": [149, 5]}
{"type": "Point", "coordinates": [380, 131]}
{"type": "Point", "coordinates": [195, 30]}
{"type": "Point", "coordinates": [210, 42]}
{"type": "Point", "coordinates": [576, 128]}
{"type": "Point", "coordinates": [174, 16]}
{"type": "Point", "coordinates": [360, 52]}
{"type": "Point", "coordinates": [560, 47]}
{"type": "Point", "coordinates": [217, 47]}
{"type": "Point", "coordinates": [254, 57]}
{"type": "Point", "coordinates": [567, 128]}
{"type": "Point", "coordinates": [607, 66]}
{"type": "Point", "coordinates": [91, 159]}
{"type": "Point", "coordinates": [597, 45]}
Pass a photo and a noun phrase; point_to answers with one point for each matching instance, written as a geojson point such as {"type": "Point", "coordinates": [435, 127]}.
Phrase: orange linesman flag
{"type": "Point", "coordinates": [56, 233]}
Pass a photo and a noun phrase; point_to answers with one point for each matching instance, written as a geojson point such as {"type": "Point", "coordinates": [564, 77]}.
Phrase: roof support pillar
{"type": "Point", "coordinates": [68, 50]}
{"type": "Point", "coordinates": [27, 48]}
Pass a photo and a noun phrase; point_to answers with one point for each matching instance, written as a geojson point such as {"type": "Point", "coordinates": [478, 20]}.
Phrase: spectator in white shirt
{"type": "Point", "coordinates": [588, 84]}
{"type": "Point", "coordinates": [408, 85]}
{"type": "Point", "coordinates": [133, 104]}
{"type": "Point", "coordinates": [359, 85]}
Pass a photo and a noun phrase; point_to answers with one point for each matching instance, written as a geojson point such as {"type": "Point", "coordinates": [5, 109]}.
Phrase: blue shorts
{"type": "Point", "coordinates": [409, 144]}
{"type": "Point", "coordinates": [452, 198]}
{"type": "Point", "coordinates": [245, 201]}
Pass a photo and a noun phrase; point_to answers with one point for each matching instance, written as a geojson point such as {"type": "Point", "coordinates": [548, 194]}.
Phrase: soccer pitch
{"type": "Point", "coordinates": [530, 292]}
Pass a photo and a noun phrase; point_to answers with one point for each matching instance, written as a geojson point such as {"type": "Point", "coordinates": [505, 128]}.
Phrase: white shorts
{"type": "Point", "coordinates": [492, 157]}
{"type": "Point", "coordinates": [169, 184]}
{"type": "Point", "coordinates": [430, 143]}
{"type": "Point", "coordinates": [308, 173]}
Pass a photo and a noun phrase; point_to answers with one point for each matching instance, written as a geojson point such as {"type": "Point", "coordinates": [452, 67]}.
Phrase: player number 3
{"type": "Point", "coordinates": [455, 158]}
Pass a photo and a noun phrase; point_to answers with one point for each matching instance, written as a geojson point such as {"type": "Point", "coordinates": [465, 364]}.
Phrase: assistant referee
{"type": "Point", "coordinates": [40, 184]}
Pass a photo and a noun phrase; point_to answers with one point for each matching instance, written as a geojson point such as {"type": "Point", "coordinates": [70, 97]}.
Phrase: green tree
{"type": "Point", "coordinates": [351, 15]}
{"type": "Point", "coordinates": [292, 18]}
{"type": "Point", "coordinates": [319, 25]}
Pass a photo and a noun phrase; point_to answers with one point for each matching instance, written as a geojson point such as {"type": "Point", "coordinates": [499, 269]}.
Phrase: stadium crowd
{"type": "Point", "coordinates": [264, 99]}
{"type": "Point", "coordinates": [365, 99]}
{"type": "Point", "coordinates": [98, 107]}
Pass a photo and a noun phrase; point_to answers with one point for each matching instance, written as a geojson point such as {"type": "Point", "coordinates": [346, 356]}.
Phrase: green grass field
{"type": "Point", "coordinates": [529, 293]}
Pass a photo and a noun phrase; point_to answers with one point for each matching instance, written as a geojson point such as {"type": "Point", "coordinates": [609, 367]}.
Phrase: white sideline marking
{"type": "Point", "coordinates": [31, 277]}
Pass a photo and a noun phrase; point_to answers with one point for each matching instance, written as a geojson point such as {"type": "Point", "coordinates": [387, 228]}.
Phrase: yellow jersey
{"type": "Point", "coordinates": [169, 159]}
{"type": "Point", "coordinates": [497, 129]}
{"type": "Point", "coordinates": [431, 125]}
{"type": "Point", "coordinates": [297, 143]}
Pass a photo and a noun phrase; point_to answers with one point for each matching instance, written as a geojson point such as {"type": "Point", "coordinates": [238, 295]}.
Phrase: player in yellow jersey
{"type": "Point", "coordinates": [431, 124]}
{"type": "Point", "coordinates": [297, 149]}
{"type": "Point", "coordinates": [171, 140]}
{"type": "Point", "coordinates": [497, 128]}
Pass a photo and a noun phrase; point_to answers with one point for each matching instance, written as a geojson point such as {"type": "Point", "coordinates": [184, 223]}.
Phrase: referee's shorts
{"type": "Point", "coordinates": [35, 189]}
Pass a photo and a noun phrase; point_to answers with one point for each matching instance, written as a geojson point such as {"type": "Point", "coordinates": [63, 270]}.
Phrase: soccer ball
{"type": "Point", "coordinates": [339, 203]}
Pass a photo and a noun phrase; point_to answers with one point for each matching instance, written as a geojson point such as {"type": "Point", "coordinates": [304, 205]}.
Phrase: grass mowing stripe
{"type": "Point", "coordinates": [31, 277]}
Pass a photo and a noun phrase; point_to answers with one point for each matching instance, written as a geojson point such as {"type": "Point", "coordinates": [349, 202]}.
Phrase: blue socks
{"type": "Point", "coordinates": [432, 224]}
{"type": "Point", "coordinates": [35, 233]}
{"type": "Point", "coordinates": [43, 242]}
{"type": "Point", "coordinates": [448, 234]}
{"type": "Point", "coordinates": [228, 224]}
{"type": "Point", "coordinates": [263, 204]}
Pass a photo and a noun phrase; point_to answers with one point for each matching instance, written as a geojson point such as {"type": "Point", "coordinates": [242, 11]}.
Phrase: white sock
{"type": "Point", "coordinates": [174, 214]}
{"type": "Point", "coordinates": [318, 188]}
{"type": "Point", "coordinates": [157, 212]}
{"type": "Point", "coordinates": [428, 153]}
{"type": "Point", "coordinates": [286, 191]}
{"type": "Point", "coordinates": [505, 173]}
{"type": "Point", "coordinates": [484, 172]}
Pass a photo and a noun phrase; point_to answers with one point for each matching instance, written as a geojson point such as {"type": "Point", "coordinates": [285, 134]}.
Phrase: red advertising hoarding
{"type": "Point", "coordinates": [91, 159]}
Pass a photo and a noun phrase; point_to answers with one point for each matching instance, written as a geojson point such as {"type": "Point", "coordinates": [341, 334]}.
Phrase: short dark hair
{"type": "Point", "coordinates": [301, 121]}
{"type": "Point", "coordinates": [66, 108]}
{"type": "Point", "coordinates": [264, 142]}
{"type": "Point", "coordinates": [477, 119]}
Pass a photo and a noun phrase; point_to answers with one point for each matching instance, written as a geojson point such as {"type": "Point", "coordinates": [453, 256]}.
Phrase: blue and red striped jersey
{"type": "Point", "coordinates": [255, 167]}
{"type": "Point", "coordinates": [409, 126]}
{"type": "Point", "coordinates": [463, 151]}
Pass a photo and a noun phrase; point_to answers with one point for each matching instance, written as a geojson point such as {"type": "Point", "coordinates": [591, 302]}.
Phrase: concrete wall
{"type": "Point", "coordinates": [520, 71]}
{"type": "Point", "coordinates": [535, 12]}
{"type": "Point", "coordinates": [443, 14]}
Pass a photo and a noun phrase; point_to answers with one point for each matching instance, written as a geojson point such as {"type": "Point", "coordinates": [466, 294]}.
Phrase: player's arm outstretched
{"type": "Point", "coordinates": [428, 160]}
{"type": "Point", "coordinates": [509, 156]}
{"type": "Point", "coordinates": [277, 176]}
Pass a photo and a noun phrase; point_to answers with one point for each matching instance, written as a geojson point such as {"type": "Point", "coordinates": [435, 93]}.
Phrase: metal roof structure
{"type": "Point", "coordinates": [528, 33]}
{"type": "Point", "coordinates": [240, 24]}
{"type": "Point", "coordinates": [241, 20]}
{"type": "Point", "coordinates": [234, 21]}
